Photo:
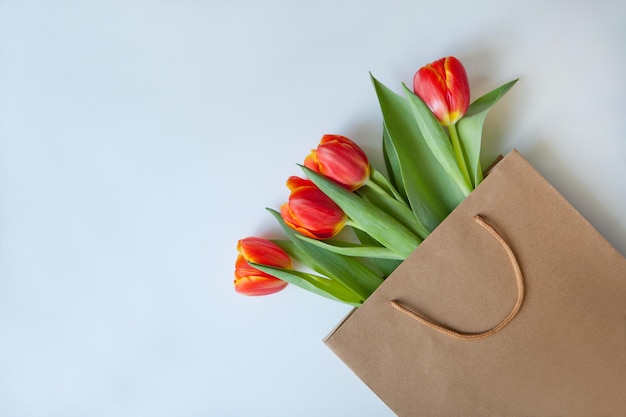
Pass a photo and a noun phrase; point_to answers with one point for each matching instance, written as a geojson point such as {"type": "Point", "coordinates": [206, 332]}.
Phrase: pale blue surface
{"type": "Point", "coordinates": [140, 139]}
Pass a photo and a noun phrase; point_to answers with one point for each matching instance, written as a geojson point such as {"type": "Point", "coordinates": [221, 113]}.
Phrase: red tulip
{"type": "Point", "coordinates": [444, 87]}
{"type": "Point", "coordinates": [341, 160]}
{"type": "Point", "coordinates": [310, 211]}
{"type": "Point", "coordinates": [251, 281]}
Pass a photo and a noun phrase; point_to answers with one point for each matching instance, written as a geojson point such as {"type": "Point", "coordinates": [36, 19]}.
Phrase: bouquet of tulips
{"type": "Point", "coordinates": [431, 144]}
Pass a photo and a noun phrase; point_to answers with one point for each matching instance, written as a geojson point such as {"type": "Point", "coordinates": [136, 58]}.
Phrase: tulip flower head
{"type": "Point", "coordinates": [444, 87]}
{"type": "Point", "coordinates": [251, 281]}
{"type": "Point", "coordinates": [341, 160]}
{"type": "Point", "coordinates": [310, 211]}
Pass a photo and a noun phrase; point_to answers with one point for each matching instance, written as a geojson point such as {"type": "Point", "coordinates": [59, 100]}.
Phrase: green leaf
{"type": "Point", "coordinates": [436, 139]}
{"type": "Point", "coordinates": [398, 209]}
{"type": "Point", "coordinates": [470, 128]}
{"type": "Point", "coordinates": [368, 217]}
{"type": "Point", "coordinates": [348, 271]}
{"type": "Point", "coordinates": [386, 266]}
{"type": "Point", "coordinates": [485, 102]}
{"type": "Point", "coordinates": [385, 184]}
{"type": "Point", "coordinates": [315, 284]}
{"type": "Point", "coordinates": [295, 253]}
{"type": "Point", "coordinates": [353, 249]}
{"type": "Point", "coordinates": [392, 164]}
{"type": "Point", "coordinates": [432, 193]}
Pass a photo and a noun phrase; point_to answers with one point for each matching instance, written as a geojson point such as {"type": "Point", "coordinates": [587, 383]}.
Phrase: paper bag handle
{"type": "Point", "coordinates": [476, 336]}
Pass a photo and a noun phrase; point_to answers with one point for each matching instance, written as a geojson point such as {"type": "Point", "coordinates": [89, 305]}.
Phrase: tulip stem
{"type": "Point", "coordinates": [458, 153]}
{"type": "Point", "coordinates": [381, 190]}
{"type": "Point", "coordinates": [383, 182]}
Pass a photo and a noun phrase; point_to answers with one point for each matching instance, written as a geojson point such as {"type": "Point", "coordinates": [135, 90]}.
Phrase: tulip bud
{"type": "Point", "coordinates": [251, 281]}
{"type": "Point", "coordinates": [310, 211]}
{"type": "Point", "coordinates": [341, 160]}
{"type": "Point", "coordinates": [444, 87]}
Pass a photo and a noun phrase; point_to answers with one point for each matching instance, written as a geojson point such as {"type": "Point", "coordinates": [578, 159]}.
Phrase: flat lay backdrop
{"type": "Point", "coordinates": [139, 140]}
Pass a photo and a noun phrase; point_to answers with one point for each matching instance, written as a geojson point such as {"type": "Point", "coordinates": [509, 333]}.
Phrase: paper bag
{"type": "Point", "coordinates": [456, 330]}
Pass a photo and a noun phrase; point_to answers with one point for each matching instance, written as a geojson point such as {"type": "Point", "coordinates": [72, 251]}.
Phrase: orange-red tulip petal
{"type": "Point", "coordinates": [251, 281]}
{"type": "Point", "coordinates": [444, 87]}
{"type": "Point", "coordinates": [310, 211]}
{"type": "Point", "coordinates": [341, 160]}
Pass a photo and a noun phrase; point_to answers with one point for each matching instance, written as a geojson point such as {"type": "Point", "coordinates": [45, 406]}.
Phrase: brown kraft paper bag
{"type": "Point", "coordinates": [525, 319]}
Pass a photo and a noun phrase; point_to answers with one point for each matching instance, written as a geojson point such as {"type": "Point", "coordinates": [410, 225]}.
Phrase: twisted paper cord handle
{"type": "Point", "coordinates": [476, 336]}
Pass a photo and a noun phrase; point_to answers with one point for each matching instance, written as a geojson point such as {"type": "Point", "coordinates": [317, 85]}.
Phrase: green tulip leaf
{"type": "Point", "coordinates": [436, 139]}
{"type": "Point", "coordinates": [367, 216]}
{"type": "Point", "coordinates": [295, 253]}
{"type": "Point", "coordinates": [347, 271]}
{"type": "Point", "coordinates": [386, 185]}
{"type": "Point", "coordinates": [470, 129]}
{"type": "Point", "coordinates": [485, 102]}
{"type": "Point", "coordinates": [432, 193]}
{"type": "Point", "coordinates": [392, 163]}
{"type": "Point", "coordinates": [353, 249]}
{"type": "Point", "coordinates": [398, 209]}
{"type": "Point", "coordinates": [313, 283]}
{"type": "Point", "coordinates": [386, 266]}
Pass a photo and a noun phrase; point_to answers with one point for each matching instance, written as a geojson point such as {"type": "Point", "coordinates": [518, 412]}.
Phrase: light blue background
{"type": "Point", "coordinates": [139, 140]}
